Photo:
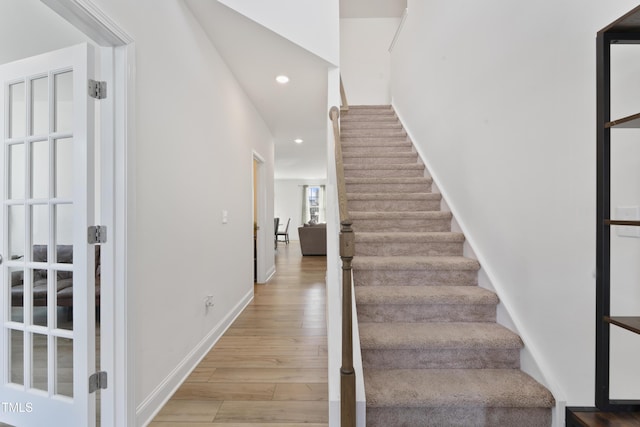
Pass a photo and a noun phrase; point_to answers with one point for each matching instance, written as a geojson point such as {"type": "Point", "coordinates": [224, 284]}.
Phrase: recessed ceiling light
{"type": "Point", "coordinates": [282, 79]}
{"type": "Point", "coordinates": [298, 141]}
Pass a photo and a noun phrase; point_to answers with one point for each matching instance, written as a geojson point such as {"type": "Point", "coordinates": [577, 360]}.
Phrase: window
{"type": "Point", "coordinates": [313, 204]}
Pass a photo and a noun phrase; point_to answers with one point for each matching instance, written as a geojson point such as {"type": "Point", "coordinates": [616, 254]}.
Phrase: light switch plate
{"type": "Point", "coordinates": [627, 213]}
{"type": "Point", "coordinates": [225, 217]}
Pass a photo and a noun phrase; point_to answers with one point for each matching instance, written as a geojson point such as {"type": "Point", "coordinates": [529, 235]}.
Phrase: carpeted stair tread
{"type": "Point", "coordinates": [411, 295]}
{"type": "Point", "coordinates": [357, 125]}
{"type": "Point", "coordinates": [347, 119]}
{"type": "Point", "coordinates": [420, 304]}
{"type": "Point", "coordinates": [360, 107]}
{"type": "Point", "coordinates": [393, 196]}
{"type": "Point", "coordinates": [410, 185]}
{"type": "Point", "coordinates": [384, 133]}
{"type": "Point", "coordinates": [375, 139]}
{"type": "Point", "coordinates": [410, 388]}
{"type": "Point", "coordinates": [349, 155]}
{"type": "Point", "coordinates": [388, 180]}
{"type": "Point", "coordinates": [400, 221]}
{"type": "Point", "coordinates": [433, 335]}
{"type": "Point", "coordinates": [388, 148]}
{"type": "Point", "coordinates": [367, 143]}
{"type": "Point", "coordinates": [400, 215]}
{"type": "Point", "coordinates": [369, 110]}
{"type": "Point", "coordinates": [411, 263]}
{"type": "Point", "coordinates": [390, 166]}
{"type": "Point", "coordinates": [408, 237]}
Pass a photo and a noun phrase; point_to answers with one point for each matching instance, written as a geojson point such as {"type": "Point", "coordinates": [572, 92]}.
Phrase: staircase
{"type": "Point", "coordinates": [433, 354]}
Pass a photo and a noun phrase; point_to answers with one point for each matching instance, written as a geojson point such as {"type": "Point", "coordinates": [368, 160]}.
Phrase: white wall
{"type": "Point", "coordinates": [310, 24]}
{"type": "Point", "coordinates": [500, 97]}
{"type": "Point", "coordinates": [288, 202]}
{"type": "Point", "coordinates": [193, 160]}
{"type": "Point", "coordinates": [365, 62]}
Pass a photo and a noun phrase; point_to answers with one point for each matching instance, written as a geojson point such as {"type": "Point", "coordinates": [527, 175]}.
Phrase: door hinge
{"type": "Point", "coordinates": [97, 234]}
{"type": "Point", "coordinates": [98, 381]}
{"type": "Point", "coordinates": [97, 90]}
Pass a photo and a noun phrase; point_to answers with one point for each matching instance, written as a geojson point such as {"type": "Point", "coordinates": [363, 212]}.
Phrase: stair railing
{"type": "Point", "coordinates": [343, 98]}
{"type": "Point", "coordinates": [347, 246]}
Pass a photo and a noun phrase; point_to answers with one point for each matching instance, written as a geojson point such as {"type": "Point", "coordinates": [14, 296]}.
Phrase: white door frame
{"type": "Point", "coordinates": [264, 244]}
{"type": "Point", "coordinates": [117, 204]}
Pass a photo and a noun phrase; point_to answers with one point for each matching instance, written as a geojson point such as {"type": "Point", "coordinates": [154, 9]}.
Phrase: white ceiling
{"type": "Point", "coordinates": [298, 109]}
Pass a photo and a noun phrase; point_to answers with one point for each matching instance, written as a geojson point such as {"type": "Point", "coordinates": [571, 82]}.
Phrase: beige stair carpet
{"type": "Point", "coordinates": [433, 354]}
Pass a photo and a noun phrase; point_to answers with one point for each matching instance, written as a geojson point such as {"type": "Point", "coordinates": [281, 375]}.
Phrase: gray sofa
{"type": "Point", "coordinates": [64, 279]}
{"type": "Point", "coordinates": [313, 239]}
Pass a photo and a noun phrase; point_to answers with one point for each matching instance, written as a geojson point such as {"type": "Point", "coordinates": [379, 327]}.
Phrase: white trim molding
{"type": "Point", "coordinates": [89, 18]}
{"type": "Point", "coordinates": [399, 30]}
{"type": "Point", "coordinates": [117, 205]}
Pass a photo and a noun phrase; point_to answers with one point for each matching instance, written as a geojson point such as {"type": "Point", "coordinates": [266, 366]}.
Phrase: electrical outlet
{"type": "Point", "coordinates": [627, 213]}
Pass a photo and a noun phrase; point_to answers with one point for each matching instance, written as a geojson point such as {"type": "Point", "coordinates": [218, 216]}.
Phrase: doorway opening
{"type": "Point", "coordinates": [260, 226]}
{"type": "Point", "coordinates": [114, 209]}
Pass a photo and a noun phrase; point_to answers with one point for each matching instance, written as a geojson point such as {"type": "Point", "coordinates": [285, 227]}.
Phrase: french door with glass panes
{"type": "Point", "coordinates": [47, 350]}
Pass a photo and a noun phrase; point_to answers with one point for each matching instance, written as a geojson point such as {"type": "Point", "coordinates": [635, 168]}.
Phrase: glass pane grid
{"type": "Point", "coordinates": [15, 172]}
{"type": "Point", "coordinates": [17, 110]}
{"type": "Point", "coordinates": [13, 296]}
{"type": "Point", "coordinates": [16, 356]}
{"type": "Point", "coordinates": [39, 105]}
{"type": "Point", "coordinates": [63, 102]}
{"type": "Point", "coordinates": [39, 170]}
{"type": "Point", "coordinates": [64, 367]}
{"type": "Point", "coordinates": [63, 167]}
{"type": "Point", "coordinates": [39, 213]}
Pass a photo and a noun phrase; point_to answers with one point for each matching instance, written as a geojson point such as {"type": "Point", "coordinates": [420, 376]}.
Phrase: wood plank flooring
{"type": "Point", "coordinates": [270, 368]}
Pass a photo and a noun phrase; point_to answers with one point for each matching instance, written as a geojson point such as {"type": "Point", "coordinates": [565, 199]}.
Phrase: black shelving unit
{"type": "Point", "coordinates": [625, 30]}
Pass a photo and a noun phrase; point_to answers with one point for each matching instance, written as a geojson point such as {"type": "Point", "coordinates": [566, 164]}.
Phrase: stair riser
{"type": "Point", "coordinates": [396, 160]}
{"type": "Point", "coordinates": [413, 249]}
{"type": "Point", "coordinates": [372, 149]}
{"type": "Point", "coordinates": [394, 205]}
{"type": "Point", "coordinates": [379, 133]}
{"type": "Point", "coordinates": [474, 358]}
{"type": "Point", "coordinates": [357, 125]}
{"type": "Point", "coordinates": [360, 112]}
{"type": "Point", "coordinates": [415, 277]}
{"type": "Point", "coordinates": [408, 225]}
{"type": "Point", "coordinates": [424, 187]}
{"type": "Point", "coordinates": [422, 313]}
{"type": "Point", "coordinates": [346, 119]}
{"type": "Point", "coordinates": [376, 140]}
{"type": "Point", "coordinates": [383, 173]}
{"type": "Point", "coordinates": [458, 417]}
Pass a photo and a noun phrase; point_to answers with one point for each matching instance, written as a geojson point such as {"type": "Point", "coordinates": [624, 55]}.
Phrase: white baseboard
{"type": "Point", "coordinates": [270, 273]}
{"type": "Point", "coordinates": [149, 408]}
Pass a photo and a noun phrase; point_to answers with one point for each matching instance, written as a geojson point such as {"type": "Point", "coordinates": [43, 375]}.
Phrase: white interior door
{"type": "Point", "coordinates": [47, 310]}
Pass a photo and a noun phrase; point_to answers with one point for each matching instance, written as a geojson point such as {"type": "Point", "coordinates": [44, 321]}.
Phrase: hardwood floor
{"type": "Point", "coordinates": [270, 368]}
